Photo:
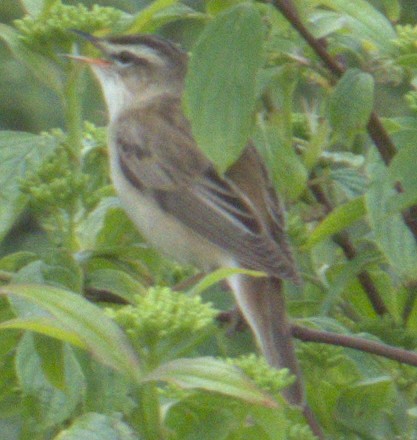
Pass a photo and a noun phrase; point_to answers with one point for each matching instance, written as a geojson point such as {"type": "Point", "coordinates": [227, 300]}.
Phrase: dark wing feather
{"type": "Point", "coordinates": [186, 186]}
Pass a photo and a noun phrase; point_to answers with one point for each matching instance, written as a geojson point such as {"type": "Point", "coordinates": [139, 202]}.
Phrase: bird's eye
{"type": "Point", "coordinates": [123, 59]}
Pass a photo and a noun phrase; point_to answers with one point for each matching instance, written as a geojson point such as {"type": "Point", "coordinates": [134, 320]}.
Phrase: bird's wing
{"type": "Point", "coordinates": [159, 156]}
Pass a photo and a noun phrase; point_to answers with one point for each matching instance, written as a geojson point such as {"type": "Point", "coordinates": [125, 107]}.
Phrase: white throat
{"type": "Point", "coordinates": [119, 98]}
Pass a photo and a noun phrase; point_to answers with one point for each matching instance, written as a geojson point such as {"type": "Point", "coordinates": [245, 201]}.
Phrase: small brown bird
{"type": "Point", "coordinates": [177, 199]}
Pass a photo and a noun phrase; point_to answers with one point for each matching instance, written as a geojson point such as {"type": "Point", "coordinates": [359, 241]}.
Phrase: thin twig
{"type": "Point", "coordinates": [376, 130]}
{"type": "Point", "coordinates": [343, 240]}
{"type": "Point", "coordinates": [319, 336]}
{"type": "Point", "coordinates": [307, 334]}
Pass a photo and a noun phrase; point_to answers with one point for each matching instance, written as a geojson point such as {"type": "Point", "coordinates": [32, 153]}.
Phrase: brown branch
{"type": "Point", "coordinates": [397, 354]}
{"type": "Point", "coordinates": [364, 278]}
{"type": "Point", "coordinates": [376, 130]}
{"type": "Point", "coordinates": [307, 334]}
{"type": "Point", "coordinates": [289, 11]}
{"type": "Point", "coordinates": [342, 239]}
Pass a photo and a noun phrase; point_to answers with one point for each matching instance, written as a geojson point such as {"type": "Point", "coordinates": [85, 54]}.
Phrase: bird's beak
{"type": "Point", "coordinates": [93, 61]}
{"type": "Point", "coordinates": [97, 43]}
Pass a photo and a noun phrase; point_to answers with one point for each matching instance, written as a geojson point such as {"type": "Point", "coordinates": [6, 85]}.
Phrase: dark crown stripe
{"type": "Point", "coordinates": [157, 43]}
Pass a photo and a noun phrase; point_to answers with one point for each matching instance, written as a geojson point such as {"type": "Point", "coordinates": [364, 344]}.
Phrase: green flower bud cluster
{"type": "Point", "coordinates": [407, 39]}
{"type": "Point", "coordinates": [53, 26]}
{"type": "Point", "coordinates": [162, 316]}
{"type": "Point", "coordinates": [266, 377]}
{"type": "Point", "coordinates": [56, 184]}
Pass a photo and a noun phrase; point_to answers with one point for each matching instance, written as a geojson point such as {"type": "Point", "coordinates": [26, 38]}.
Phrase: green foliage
{"type": "Point", "coordinates": [52, 25]}
{"type": "Point", "coordinates": [406, 39]}
{"type": "Point", "coordinates": [222, 126]}
{"type": "Point", "coordinates": [351, 103]}
{"type": "Point", "coordinates": [262, 374]}
{"type": "Point", "coordinates": [151, 367]}
{"type": "Point", "coordinates": [162, 320]}
{"type": "Point", "coordinates": [93, 426]}
{"type": "Point", "coordinates": [19, 153]}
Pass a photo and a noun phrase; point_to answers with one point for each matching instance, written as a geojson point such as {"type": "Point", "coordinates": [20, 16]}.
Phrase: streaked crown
{"type": "Point", "coordinates": [137, 67]}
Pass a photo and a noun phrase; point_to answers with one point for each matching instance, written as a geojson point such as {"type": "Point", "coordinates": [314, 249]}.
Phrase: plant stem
{"type": "Point", "coordinates": [73, 110]}
{"type": "Point", "coordinates": [147, 417]}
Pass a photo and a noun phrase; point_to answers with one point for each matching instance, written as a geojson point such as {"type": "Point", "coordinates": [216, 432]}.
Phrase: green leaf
{"type": "Point", "coordinates": [37, 7]}
{"type": "Point", "coordinates": [402, 169]}
{"type": "Point", "coordinates": [173, 13]}
{"type": "Point", "coordinates": [219, 94]}
{"type": "Point", "coordinates": [102, 336]}
{"type": "Point", "coordinates": [363, 408]}
{"type": "Point", "coordinates": [210, 375]}
{"type": "Point", "coordinates": [215, 6]}
{"type": "Point", "coordinates": [204, 416]}
{"type": "Point", "coordinates": [93, 426]}
{"type": "Point", "coordinates": [391, 234]}
{"type": "Point", "coordinates": [409, 60]}
{"type": "Point", "coordinates": [392, 9]}
{"type": "Point", "coordinates": [117, 282]}
{"type": "Point", "coordinates": [52, 356]}
{"type": "Point", "coordinates": [46, 326]}
{"type": "Point", "coordinates": [45, 70]}
{"type": "Point", "coordinates": [17, 260]}
{"type": "Point", "coordinates": [339, 219]}
{"type": "Point", "coordinates": [19, 153]}
{"type": "Point", "coordinates": [48, 405]}
{"type": "Point", "coordinates": [324, 23]}
{"type": "Point", "coordinates": [273, 423]}
{"type": "Point", "coordinates": [107, 392]}
{"type": "Point", "coordinates": [349, 272]}
{"type": "Point", "coordinates": [365, 23]}
{"type": "Point", "coordinates": [352, 182]}
{"type": "Point", "coordinates": [351, 104]}
{"type": "Point", "coordinates": [288, 171]}
{"type": "Point", "coordinates": [144, 20]}
{"type": "Point", "coordinates": [219, 275]}
{"type": "Point", "coordinates": [61, 269]}
{"type": "Point", "coordinates": [107, 226]}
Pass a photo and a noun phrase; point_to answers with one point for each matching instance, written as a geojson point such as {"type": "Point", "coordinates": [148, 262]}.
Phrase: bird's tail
{"type": "Point", "coordinates": [262, 303]}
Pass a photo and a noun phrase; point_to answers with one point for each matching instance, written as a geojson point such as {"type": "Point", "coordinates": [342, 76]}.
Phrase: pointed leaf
{"type": "Point", "coordinates": [366, 23]}
{"type": "Point", "coordinates": [211, 375]}
{"type": "Point", "coordinates": [101, 335]}
{"type": "Point", "coordinates": [51, 405]}
{"type": "Point", "coordinates": [288, 172]}
{"type": "Point", "coordinates": [46, 326]}
{"type": "Point", "coordinates": [391, 234]}
{"type": "Point", "coordinates": [42, 67]}
{"type": "Point", "coordinates": [37, 7]}
{"type": "Point", "coordinates": [94, 426]}
{"type": "Point", "coordinates": [220, 86]}
{"type": "Point", "coordinates": [351, 103]}
{"type": "Point", "coordinates": [340, 218]}
{"type": "Point", "coordinates": [143, 22]}
{"type": "Point", "coordinates": [219, 275]}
